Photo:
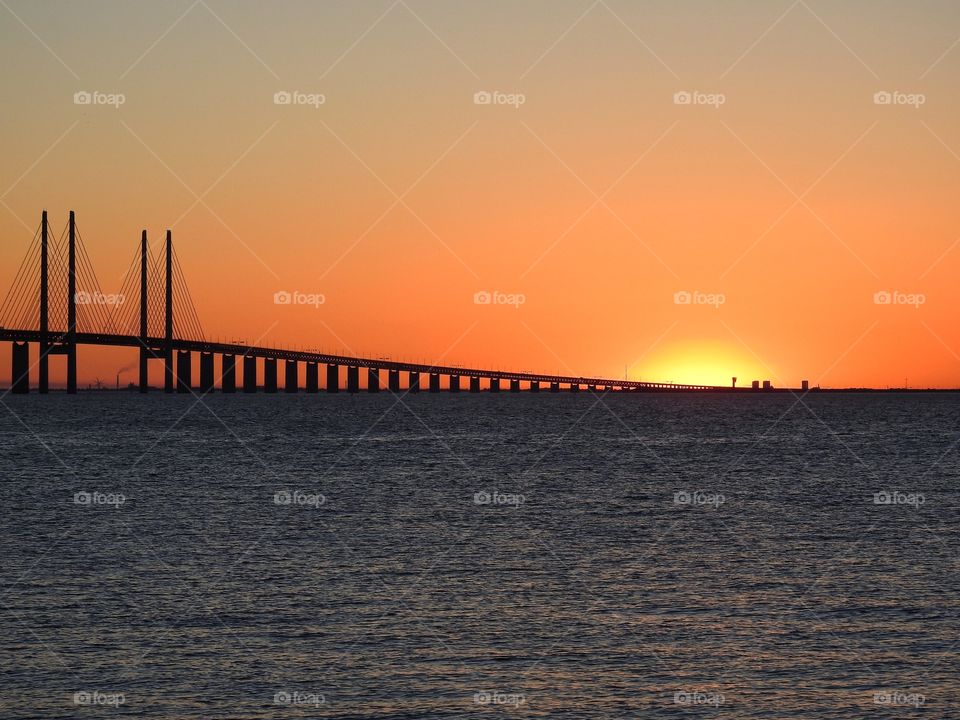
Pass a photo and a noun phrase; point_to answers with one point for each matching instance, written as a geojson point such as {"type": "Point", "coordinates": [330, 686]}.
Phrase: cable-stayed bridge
{"type": "Point", "coordinates": [56, 303]}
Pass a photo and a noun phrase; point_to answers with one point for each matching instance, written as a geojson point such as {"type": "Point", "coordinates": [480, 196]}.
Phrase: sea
{"type": "Point", "coordinates": [768, 555]}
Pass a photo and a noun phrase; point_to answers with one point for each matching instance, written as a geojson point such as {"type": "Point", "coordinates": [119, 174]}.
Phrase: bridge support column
{"type": "Point", "coordinates": [434, 382]}
{"type": "Point", "coordinates": [534, 386]}
{"type": "Point", "coordinates": [144, 375]}
{"type": "Point", "coordinates": [184, 371]}
{"type": "Point", "coordinates": [393, 380]}
{"type": "Point", "coordinates": [44, 381]}
{"type": "Point", "coordinates": [270, 375]}
{"type": "Point", "coordinates": [554, 387]}
{"type": "Point", "coordinates": [228, 373]}
{"type": "Point", "coordinates": [353, 378]}
{"type": "Point", "coordinates": [474, 384]}
{"type": "Point", "coordinates": [291, 376]}
{"type": "Point", "coordinates": [249, 374]}
{"type": "Point", "coordinates": [413, 382]}
{"type": "Point", "coordinates": [333, 378]}
{"type": "Point", "coordinates": [313, 377]}
{"type": "Point", "coordinates": [20, 377]}
{"type": "Point", "coordinates": [373, 380]}
{"type": "Point", "coordinates": [206, 372]}
{"type": "Point", "coordinates": [72, 307]}
{"type": "Point", "coordinates": [514, 386]}
{"type": "Point", "coordinates": [454, 383]}
{"type": "Point", "coordinates": [574, 387]}
{"type": "Point", "coordinates": [494, 384]}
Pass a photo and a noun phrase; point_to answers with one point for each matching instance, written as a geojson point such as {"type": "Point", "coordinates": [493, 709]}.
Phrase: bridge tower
{"type": "Point", "coordinates": [44, 384]}
{"type": "Point", "coordinates": [168, 319]}
{"type": "Point", "coordinates": [71, 339]}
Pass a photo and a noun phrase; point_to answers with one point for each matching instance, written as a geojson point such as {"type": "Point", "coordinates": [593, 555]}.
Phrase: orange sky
{"type": "Point", "coordinates": [598, 199]}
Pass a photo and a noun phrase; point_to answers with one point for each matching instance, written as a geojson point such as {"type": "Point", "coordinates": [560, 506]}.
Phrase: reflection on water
{"type": "Point", "coordinates": [350, 557]}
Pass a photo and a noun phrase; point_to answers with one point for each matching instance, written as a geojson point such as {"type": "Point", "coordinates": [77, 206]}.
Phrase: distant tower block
{"type": "Point", "coordinates": [755, 385]}
{"type": "Point", "coordinates": [805, 385]}
{"type": "Point", "coordinates": [734, 383]}
{"type": "Point", "coordinates": [767, 385]}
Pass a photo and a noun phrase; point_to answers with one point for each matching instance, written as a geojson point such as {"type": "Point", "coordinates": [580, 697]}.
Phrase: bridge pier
{"type": "Point", "coordinates": [353, 378]}
{"type": "Point", "coordinates": [270, 375]}
{"type": "Point", "coordinates": [20, 377]}
{"type": "Point", "coordinates": [291, 376]}
{"type": "Point", "coordinates": [333, 378]}
{"type": "Point", "coordinates": [373, 380]}
{"type": "Point", "coordinates": [514, 386]}
{"type": "Point", "coordinates": [474, 384]}
{"type": "Point", "coordinates": [206, 372]}
{"type": "Point", "coordinates": [534, 386]}
{"type": "Point", "coordinates": [454, 383]}
{"type": "Point", "coordinates": [574, 387]}
{"type": "Point", "coordinates": [413, 381]}
{"type": "Point", "coordinates": [313, 377]}
{"type": "Point", "coordinates": [434, 382]}
{"type": "Point", "coordinates": [249, 374]}
{"type": "Point", "coordinates": [554, 387]}
{"type": "Point", "coordinates": [494, 384]}
{"type": "Point", "coordinates": [228, 373]}
{"type": "Point", "coordinates": [393, 380]}
{"type": "Point", "coordinates": [184, 371]}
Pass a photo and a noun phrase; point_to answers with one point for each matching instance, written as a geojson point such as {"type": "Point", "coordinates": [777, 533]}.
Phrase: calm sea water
{"type": "Point", "coordinates": [445, 557]}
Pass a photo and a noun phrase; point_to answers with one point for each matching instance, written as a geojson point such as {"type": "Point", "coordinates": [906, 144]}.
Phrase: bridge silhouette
{"type": "Point", "coordinates": [163, 325]}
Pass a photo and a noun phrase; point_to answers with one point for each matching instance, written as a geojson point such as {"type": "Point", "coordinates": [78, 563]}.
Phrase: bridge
{"type": "Point", "coordinates": [163, 326]}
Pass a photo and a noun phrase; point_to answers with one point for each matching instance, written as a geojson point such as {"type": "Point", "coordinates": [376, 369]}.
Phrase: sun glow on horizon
{"type": "Point", "coordinates": [700, 363]}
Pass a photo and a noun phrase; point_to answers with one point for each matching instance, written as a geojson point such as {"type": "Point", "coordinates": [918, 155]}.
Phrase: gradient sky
{"type": "Point", "coordinates": [598, 199]}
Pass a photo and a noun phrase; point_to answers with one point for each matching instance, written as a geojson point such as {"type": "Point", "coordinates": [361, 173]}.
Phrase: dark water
{"type": "Point", "coordinates": [384, 590]}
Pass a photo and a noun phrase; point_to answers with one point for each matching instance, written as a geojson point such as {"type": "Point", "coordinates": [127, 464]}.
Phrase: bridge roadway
{"type": "Point", "coordinates": [158, 344]}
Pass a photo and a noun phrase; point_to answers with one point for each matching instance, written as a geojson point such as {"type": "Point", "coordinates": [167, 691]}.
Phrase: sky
{"type": "Point", "coordinates": [675, 191]}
